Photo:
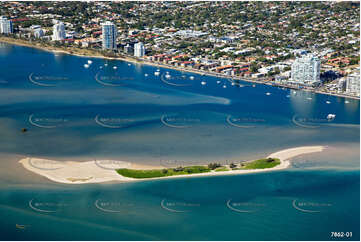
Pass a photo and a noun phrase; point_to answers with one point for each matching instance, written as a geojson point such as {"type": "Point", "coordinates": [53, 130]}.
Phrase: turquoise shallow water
{"type": "Point", "coordinates": [131, 114]}
{"type": "Point", "coordinates": [190, 209]}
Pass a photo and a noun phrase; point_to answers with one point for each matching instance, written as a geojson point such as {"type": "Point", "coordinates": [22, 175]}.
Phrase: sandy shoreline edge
{"type": "Point", "coordinates": [149, 63]}
{"type": "Point", "coordinates": [73, 172]}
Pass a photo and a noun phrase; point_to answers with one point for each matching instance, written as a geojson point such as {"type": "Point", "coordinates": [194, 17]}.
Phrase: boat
{"type": "Point", "coordinates": [253, 85]}
{"type": "Point", "coordinates": [89, 62]}
{"type": "Point", "coordinates": [86, 65]}
{"type": "Point", "coordinates": [129, 64]}
{"type": "Point", "coordinates": [268, 93]}
{"type": "Point", "coordinates": [203, 83]}
{"type": "Point", "coordinates": [328, 102]}
{"type": "Point", "coordinates": [114, 67]}
{"type": "Point", "coordinates": [191, 77]}
{"type": "Point", "coordinates": [167, 76]}
{"type": "Point", "coordinates": [288, 96]}
{"type": "Point", "coordinates": [105, 64]}
{"type": "Point", "coordinates": [233, 84]}
{"type": "Point", "coordinates": [309, 98]}
{"type": "Point", "coordinates": [218, 82]}
{"type": "Point", "coordinates": [100, 67]}
{"type": "Point", "coordinates": [145, 74]}
{"type": "Point", "coordinates": [156, 73]}
{"type": "Point", "coordinates": [347, 101]}
{"type": "Point", "coordinates": [224, 86]}
{"type": "Point", "coordinates": [331, 116]}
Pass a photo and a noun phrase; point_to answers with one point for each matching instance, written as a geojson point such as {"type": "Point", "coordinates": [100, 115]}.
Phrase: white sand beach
{"type": "Point", "coordinates": [73, 172]}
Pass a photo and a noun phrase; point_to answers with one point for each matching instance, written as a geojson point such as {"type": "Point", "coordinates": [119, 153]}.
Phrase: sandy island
{"type": "Point", "coordinates": [73, 172]}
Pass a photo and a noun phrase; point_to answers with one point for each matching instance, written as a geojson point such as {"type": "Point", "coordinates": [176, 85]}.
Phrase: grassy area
{"type": "Point", "coordinates": [257, 164]}
{"type": "Point", "coordinates": [222, 169]}
{"type": "Point", "coordinates": [262, 163]}
{"type": "Point", "coordinates": [162, 172]}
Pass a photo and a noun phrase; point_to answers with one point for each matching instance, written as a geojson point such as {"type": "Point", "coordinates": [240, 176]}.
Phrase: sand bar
{"type": "Point", "coordinates": [73, 172]}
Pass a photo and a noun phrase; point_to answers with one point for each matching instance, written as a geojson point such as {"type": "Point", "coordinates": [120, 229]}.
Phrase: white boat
{"type": "Point", "coordinates": [203, 83]}
{"type": "Point", "coordinates": [331, 116]}
{"type": "Point", "coordinates": [253, 85]}
{"type": "Point", "coordinates": [328, 102]}
{"type": "Point", "coordinates": [294, 92]}
{"type": "Point", "coordinates": [347, 101]}
{"type": "Point", "coordinates": [100, 67]}
{"type": "Point", "coordinates": [288, 96]}
{"type": "Point", "coordinates": [114, 67]}
{"type": "Point", "coordinates": [89, 62]}
{"type": "Point", "coordinates": [233, 84]}
{"type": "Point", "coordinates": [191, 77]}
{"type": "Point", "coordinates": [224, 86]}
{"type": "Point", "coordinates": [309, 98]}
{"type": "Point", "coordinates": [268, 93]}
{"type": "Point", "coordinates": [156, 73]}
{"type": "Point", "coordinates": [86, 65]}
{"type": "Point", "coordinates": [105, 64]}
{"type": "Point", "coordinates": [218, 82]}
{"type": "Point", "coordinates": [167, 76]}
{"type": "Point", "coordinates": [129, 64]}
{"type": "Point", "coordinates": [145, 74]}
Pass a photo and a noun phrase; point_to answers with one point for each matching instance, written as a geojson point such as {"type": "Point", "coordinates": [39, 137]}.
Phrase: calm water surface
{"type": "Point", "coordinates": [130, 113]}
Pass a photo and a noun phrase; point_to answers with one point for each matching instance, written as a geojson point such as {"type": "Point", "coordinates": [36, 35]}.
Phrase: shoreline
{"type": "Point", "coordinates": [73, 172]}
{"type": "Point", "coordinates": [94, 54]}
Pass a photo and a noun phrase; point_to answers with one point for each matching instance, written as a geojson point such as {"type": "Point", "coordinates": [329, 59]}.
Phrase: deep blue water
{"type": "Point", "coordinates": [129, 113]}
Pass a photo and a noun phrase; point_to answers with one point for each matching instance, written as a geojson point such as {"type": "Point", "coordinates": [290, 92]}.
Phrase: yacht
{"type": "Point", "coordinates": [191, 77]}
{"type": "Point", "coordinates": [114, 67]}
{"type": "Point", "coordinates": [331, 116]}
{"type": "Point", "coordinates": [86, 65]}
{"type": "Point", "coordinates": [203, 83]}
{"type": "Point", "coordinates": [89, 62]}
{"type": "Point", "coordinates": [268, 93]}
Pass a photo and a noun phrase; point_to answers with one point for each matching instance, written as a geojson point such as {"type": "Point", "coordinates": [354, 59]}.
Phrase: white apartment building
{"type": "Point", "coordinates": [139, 49]}
{"type": "Point", "coordinates": [306, 69]}
{"type": "Point", "coordinates": [109, 36]}
{"type": "Point", "coordinates": [353, 84]}
{"type": "Point", "coordinates": [6, 26]}
{"type": "Point", "coordinates": [58, 31]}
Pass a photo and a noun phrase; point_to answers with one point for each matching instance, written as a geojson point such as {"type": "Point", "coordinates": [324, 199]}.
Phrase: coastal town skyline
{"type": "Point", "coordinates": [235, 51]}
